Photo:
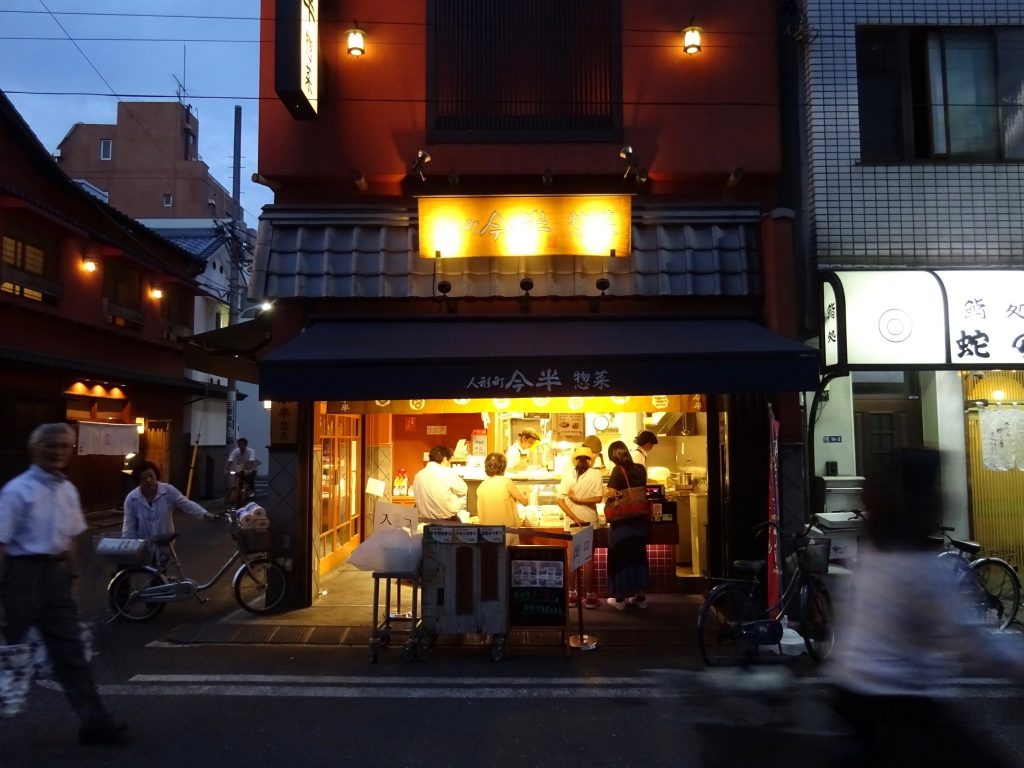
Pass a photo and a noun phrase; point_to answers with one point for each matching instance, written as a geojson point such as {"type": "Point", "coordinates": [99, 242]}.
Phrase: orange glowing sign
{"type": "Point", "coordinates": [574, 225]}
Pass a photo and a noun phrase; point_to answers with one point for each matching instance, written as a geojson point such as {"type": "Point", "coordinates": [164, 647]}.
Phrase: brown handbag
{"type": "Point", "coordinates": [630, 503]}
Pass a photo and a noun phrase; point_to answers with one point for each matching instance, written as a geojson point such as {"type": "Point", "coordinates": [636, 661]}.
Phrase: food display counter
{"type": "Point", "coordinates": [661, 550]}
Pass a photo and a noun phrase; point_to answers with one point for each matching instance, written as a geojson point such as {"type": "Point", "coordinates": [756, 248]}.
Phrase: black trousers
{"type": "Point", "coordinates": [903, 731]}
{"type": "Point", "coordinates": [37, 592]}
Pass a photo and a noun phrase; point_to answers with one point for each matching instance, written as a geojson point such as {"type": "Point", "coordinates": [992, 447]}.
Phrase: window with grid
{"type": "Point", "coordinates": [945, 94]}
{"type": "Point", "coordinates": [522, 70]}
{"type": "Point", "coordinates": [122, 295]}
{"type": "Point", "coordinates": [28, 266]}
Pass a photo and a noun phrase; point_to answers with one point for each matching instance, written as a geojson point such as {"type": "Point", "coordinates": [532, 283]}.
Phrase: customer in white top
{"type": "Point", "coordinates": [645, 442]}
{"type": "Point", "coordinates": [437, 488]}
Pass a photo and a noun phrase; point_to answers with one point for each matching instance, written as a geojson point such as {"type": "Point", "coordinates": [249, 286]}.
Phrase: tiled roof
{"type": "Point", "coordinates": [344, 253]}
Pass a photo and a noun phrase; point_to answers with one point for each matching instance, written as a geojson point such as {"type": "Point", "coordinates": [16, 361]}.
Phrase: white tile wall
{"type": "Point", "coordinates": [911, 215]}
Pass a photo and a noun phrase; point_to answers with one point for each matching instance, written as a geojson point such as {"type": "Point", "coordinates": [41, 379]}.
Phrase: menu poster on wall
{"type": "Point", "coordinates": [537, 586]}
{"type": "Point", "coordinates": [569, 427]}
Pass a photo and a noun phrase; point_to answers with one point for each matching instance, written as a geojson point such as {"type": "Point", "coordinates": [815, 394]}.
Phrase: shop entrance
{"type": "Point", "coordinates": [337, 526]}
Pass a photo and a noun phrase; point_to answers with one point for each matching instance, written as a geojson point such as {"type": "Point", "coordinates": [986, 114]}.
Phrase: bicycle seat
{"type": "Point", "coordinates": [753, 567]}
{"type": "Point", "coordinates": [968, 547]}
{"type": "Point", "coordinates": [162, 539]}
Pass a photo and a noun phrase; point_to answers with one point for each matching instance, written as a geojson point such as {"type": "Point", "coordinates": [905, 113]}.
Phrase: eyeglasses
{"type": "Point", "coordinates": [53, 446]}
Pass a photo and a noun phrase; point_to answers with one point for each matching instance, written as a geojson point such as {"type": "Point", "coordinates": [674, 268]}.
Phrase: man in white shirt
{"type": "Point", "coordinates": [242, 462]}
{"type": "Point", "coordinates": [645, 441]}
{"type": "Point", "coordinates": [437, 489]}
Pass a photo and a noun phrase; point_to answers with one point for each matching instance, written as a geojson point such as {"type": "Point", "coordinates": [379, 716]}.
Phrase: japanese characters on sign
{"type": "Point", "coordinates": [577, 225]}
{"type": "Point", "coordinates": [547, 379]}
{"type": "Point", "coordinates": [986, 317]}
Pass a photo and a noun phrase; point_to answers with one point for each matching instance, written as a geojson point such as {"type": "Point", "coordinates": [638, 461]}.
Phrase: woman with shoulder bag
{"type": "Point", "coordinates": [627, 513]}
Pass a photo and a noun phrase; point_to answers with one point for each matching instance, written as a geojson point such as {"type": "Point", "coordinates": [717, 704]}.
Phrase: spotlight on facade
{"type": "Point", "coordinates": [422, 158]}
{"type": "Point", "coordinates": [444, 287]}
{"type": "Point", "coordinates": [603, 284]}
{"type": "Point", "coordinates": [526, 285]}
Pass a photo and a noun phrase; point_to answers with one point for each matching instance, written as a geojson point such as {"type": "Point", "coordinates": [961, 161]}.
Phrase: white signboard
{"type": "Point", "coordinates": [581, 548]}
{"type": "Point", "coordinates": [894, 318]}
{"type": "Point", "coordinates": [387, 515]}
{"type": "Point", "coordinates": [986, 317]}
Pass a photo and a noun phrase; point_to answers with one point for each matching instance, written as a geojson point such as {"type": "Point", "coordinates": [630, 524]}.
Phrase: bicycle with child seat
{"type": "Point", "coordinates": [734, 622]}
{"type": "Point", "coordinates": [138, 593]}
{"type": "Point", "coordinates": [990, 584]}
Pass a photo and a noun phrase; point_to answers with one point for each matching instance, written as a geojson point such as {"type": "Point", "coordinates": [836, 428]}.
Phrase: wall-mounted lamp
{"type": "Point", "coordinates": [626, 153]}
{"type": "Point", "coordinates": [422, 158]}
{"type": "Point", "coordinates": [89, 264]}
{"type": "Point", "coordinates": [603, 284]}
{"type": "Point", "coordinates": [444, 287]}
{"type": "Point", "coordinates": [268, 404]}
{"type": "Point", "coordinates": [156, 292]}
{"type": "Point", "coordinates": [356, 40]}
{"type": "Point", "coordinates": [359, 180]}
{"type": "Point", "coordinates": [140, 425]}
{"type": "Point", "coordinates": [691, 38]}
{"type": "Point", "coordinates": [526, 285]}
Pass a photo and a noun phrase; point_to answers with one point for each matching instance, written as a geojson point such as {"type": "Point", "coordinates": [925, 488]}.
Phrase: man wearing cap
{"type": "Point", "coordinates": [645, 441]}
{"type": "Point", "coordinates": [518, 454]}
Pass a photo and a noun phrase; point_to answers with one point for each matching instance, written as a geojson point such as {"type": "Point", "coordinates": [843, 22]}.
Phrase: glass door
{"type": "Point", "coordinates": [336, 451]}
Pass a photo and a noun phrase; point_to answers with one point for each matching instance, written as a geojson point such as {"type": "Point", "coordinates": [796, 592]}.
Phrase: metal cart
{"type": "Point", "coordinates": [465, 584]}
{"type": "Point", "coordinates": [382, 624]}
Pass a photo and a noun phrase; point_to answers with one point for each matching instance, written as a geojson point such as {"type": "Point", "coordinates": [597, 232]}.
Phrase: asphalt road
{"type": "Point", "coordinates": [262, 705]}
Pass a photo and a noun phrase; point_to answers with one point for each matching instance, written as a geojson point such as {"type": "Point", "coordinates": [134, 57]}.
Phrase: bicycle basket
{"type": "Point", "coordinates": [814, 556]}
{"type": "Point", "coordinates": [250, 542]}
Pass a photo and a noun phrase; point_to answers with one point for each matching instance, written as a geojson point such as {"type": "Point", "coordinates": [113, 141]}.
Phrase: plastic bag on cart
{"type": "Point", "coordinates": [390, 549]}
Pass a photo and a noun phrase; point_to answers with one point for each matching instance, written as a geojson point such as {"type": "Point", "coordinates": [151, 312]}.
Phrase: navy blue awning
{"type": "Point", "coordinates": [530, 356]}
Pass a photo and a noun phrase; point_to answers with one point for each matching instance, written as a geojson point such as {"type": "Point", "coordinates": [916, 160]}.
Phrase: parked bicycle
{"type": "Point", "coordinates": [733, 621]}
{"type": "Point", "coordinates": [991, 585]}
{"type": "Point", "coordinates": [138, 593]}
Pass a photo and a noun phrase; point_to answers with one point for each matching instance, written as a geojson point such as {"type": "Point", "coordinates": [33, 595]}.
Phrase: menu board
{"type": "Point", "coordinates": [568, 427]}
{"type": "Point", "coordinates": [537, 584]}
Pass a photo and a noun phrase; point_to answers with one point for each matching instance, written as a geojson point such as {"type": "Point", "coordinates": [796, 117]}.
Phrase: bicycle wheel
{"type": "Point", "coordinates": [718, 625]}
{"type": "Point", "coordinates": [259, 585]}
{"type": "Point", "coordinates": [999, 598]}
{"type": "Point", "coordinates": [124, 588]}
{"type": "Point", "coordinates": [817, 620]}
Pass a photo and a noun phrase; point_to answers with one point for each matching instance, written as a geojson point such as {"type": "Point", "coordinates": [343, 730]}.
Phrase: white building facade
{"type": "Point", "coordinates": [912, 150]}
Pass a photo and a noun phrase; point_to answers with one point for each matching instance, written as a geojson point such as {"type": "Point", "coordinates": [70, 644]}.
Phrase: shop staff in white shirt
{"type": "Point", "coordinates": [645, 441]}
{"type": "Point", "coordinates": [518, 454]}
{"type": "Point", "coordinates": [437, 488]}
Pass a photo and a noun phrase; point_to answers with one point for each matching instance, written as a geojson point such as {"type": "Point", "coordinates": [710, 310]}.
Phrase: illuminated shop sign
{"type": "Point", "coordinates": [576, 225]}
{"type": "Point", "coordinates": [297, 56]}
{"type": "Point", "coordinates": [939, 319]}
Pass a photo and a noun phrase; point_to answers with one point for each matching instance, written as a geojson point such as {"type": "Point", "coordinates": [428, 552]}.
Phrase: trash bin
{"type": "Point", "coordinates": [465, 583]}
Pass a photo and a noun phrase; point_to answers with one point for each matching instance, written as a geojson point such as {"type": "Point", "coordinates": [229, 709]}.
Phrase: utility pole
{"type": "Point", "coordinates": [235, 252]}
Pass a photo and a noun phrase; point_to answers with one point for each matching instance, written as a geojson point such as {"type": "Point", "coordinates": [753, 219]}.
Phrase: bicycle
{"type": "Point", "coordinates": [138, 593]}
{"type": "Point", "coordinates": [733, 621]}
{"type": "Point", "coordinates": [991, 584]}
{"type": "Point", "coordinates": [241, 488]}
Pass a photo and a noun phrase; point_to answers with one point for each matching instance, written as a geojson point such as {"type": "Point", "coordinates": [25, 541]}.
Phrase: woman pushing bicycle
{"type": "Point", "coordinates": [148, 510]}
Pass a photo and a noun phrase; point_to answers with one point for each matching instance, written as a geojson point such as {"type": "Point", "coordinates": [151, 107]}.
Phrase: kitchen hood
{"type": "Point", "coordinates": [676, 424]}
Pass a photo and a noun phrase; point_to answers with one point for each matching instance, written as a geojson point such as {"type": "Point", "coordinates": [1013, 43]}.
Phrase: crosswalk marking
{"type": "Point", "coordinates": [658, 684]}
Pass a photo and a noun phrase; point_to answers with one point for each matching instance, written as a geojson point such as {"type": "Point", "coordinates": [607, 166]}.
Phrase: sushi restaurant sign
{"type": "Point", "coordinates": [940, 319]}
{"type": "Point", "coordinates": [544, 225]}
